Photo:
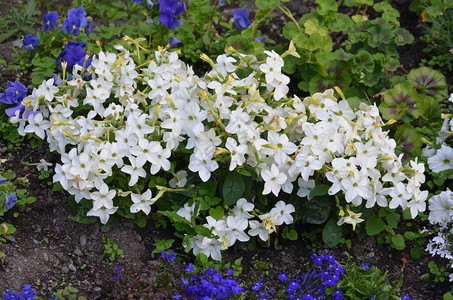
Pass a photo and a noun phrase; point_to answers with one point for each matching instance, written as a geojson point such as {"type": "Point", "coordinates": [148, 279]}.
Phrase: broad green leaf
{"type": "Point", "coordinates": [201, 230]}
{"type": "Point", "coordinates": [363, 62]}
{"type": "Point", "coordinates": [392, 219]}
{"type": "Point", "coordinates": [290, 30]}
{"type": "Point", "coordinates": [319, 190]}
{"type": "Point", "coordinates": [374, 225]}
{"type": "Point", "coordinates": [398, 242]}
{"type": "Point", "coordinates": [316, 210]}
{"type": "Point", "coordinates": [365, 2]}
{"type": "Point", "coordinates": [429, 82]}
{"type": "Point", "coordinates": [389, 13]}
{"type": "Point", "coordinates": [325, 6]}
{"type": "Point", "coordinates": [267, 4]}
{"type": "Point", "coordinates": [401, 102]}
{"type": "Point", "coordinates": [403, 37]}
{"type": "Point", "coordinates": [233, 188]}
{"type": "Point", "coordinates": [340, 23]}
{"type": "Point", "coordinates": [417, 252]}
{"type": "Point", "coordinates": [312, 26]}
{"type": "Point", "coordinates": [408, 137]}
{"type": "Point", "coordinates": [162, 245]}
{"type": "Point", "coordinates": [217, 213]}
{"type": "Point", "coordinates": [380, 34]}
{"type": "Point", "coordinates": [331, 234]}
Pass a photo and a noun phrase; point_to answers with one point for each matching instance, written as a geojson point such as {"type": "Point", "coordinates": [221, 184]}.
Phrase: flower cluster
{"type": "Point", "coordinates": [77, 20]}
{"type": "Point", "coordinates": [26, 293]}
{"type": "Point", "coordinates": [232, 227]}
{"type": "Point", "coordinates": [139, 119]}
{"type": "Point", "coordinates": [241, 18]}
{"type": "Point", "coordinates": [441, 205]}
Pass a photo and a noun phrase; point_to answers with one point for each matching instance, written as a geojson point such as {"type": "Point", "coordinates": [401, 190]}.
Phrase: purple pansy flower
{"type": "Point", "coordinates": [72, 53]}
{"type": "Point", "coordinates": [11, 200]}
{"type": "Point", "coordinates": [173, 42]}
{"type": "Point", "coordinates": [14, 93]}
{"type": "Point", "coordinates": [80, 14]}
{"type": "Point", "coordinates": [241, 18]}
{"type": "Point", "coordinates": [50, 20]}
{"type": "Point", "coordinates": [30, 42]}
{"type": "Point", "coordinates": [72, 25]}
{"type": "Point", "coordinates": [169, 12]}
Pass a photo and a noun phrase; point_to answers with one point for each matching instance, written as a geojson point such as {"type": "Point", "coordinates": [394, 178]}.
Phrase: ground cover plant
{"type": "Point", "coordinates": [185, 117]}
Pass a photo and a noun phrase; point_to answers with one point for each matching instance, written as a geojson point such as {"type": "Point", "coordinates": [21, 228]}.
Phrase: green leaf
{"type": "Point", "coordinates": [408, 137]}
{"type": "Point", "coordinates": [217, 213]}
{"type": "Point", "coordinates": [398, 242]}
{"type": "Point", "coordinates": [340, 23]}
{"type": "Point", "coordinates": [325, 6]}
{"type": "Point", "coordinates": [374, 225]}
{"type": "Point", "coordinates": [363, 62]}
{"type": "Point", "coordinates": [316, 210]}
{"type": "Point", "coordinates": [312, 26]}
{"type": "Point", "coordinates": [392, 219]}
{"type": "Point", "coordinates": [162, 245]}
{"type": "Point", "coordinates": [417, 252]}
{"type": "Point", "coordinates": [174, 217]}
{"type": "Point", "coordinates": [403, 37]}
{"type": "Point", "coordinates": [267, 4]}
{"type": "Point", "coordinates": [380, 34]}
{"type": "Point", "coordinates": [331, 234]}
{"type": "Point", "coordinates": [319, 190]}
{"type": "Point", "coordinates": [290, 30]}
{"type": "Point", "coordinates": [201, 230]}
{"type": "Point", "coordinates": [389, 13]}
{"type": "Point", "coordinates": [448, 296]}
{"type": "Point", "coordinates": [429, 82]}
{"type": "Point", "coordinates": [6, 229]}
{"type": "Point", "coordinates": [233, 188]}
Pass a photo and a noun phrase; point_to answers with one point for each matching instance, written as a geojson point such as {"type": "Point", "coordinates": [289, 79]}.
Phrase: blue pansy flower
{"type": "Point", "coordinates": [241, 18]}
{"type": "Point", "coordinates": [173, 42]}
{"type": "Point", "coordinates": [50, 20]}
{"type": "Point", "coordinates": [169, 12]}
{"type": "Point", "coordinates": [30, 42]}
{"type": "Point", "coordinates": [72, 53]}
{"type": "Point", "coordinates": [80, 14]}
{"type": "Point", "coordinates": [11, 200]}
{"type": "Point", "coordinates": [14, 93]}
{"type": "Point", "coordinates": [72, 25]}
{"type": "Point", "coordinates": [260, 39]}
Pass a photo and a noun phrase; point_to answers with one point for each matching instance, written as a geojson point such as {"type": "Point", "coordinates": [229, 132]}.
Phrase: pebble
{"type": "Point", "coordinates": [78, 252]}
{"type": "Point", "coordinates": [98, 282]}
{"type": "Point", "coordinates": [10, 239]}
{"type": "Point", "coordinates": [83, 240]}
{"type": "Point", "coordinates": [72, 268]}
{"type": "Point", "coordinates": [370, 255]}
{"type": "Point", "coordinates": [97, 289]}
{"type": "Point", "coordinates": [65, 270]}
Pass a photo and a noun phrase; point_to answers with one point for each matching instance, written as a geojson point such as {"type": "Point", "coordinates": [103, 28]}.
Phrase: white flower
{"type": "Point", "coordinates": [37, 125]}
{"type": "Point", "coordinates": [440, 207]}
{"type": "Point", "coordinates": [43, 165]}
{"type": "Point", "coordinates": [399, 196]}
{"type": "Point", "coordinates": [258, 228]}
{"type": "Point", "coordinates": [235, 230]}
{"type": "Point", "coordinates": [103, 212]}
{"type": "Point", "coordinates": [134, 170]}
{"type": "Point", "coordinates": [282, 213]}
{"type": "Point", "coordinates": [180, 179]}
{"type": "Point", "coordinates": [352, 218]}
{"type": "Point", "coordinates": [103, 197]}
{"type": "Point", "coordinates": [237, 153]}
{"type": "Point", "coordinates": [210, 247]}
{"type": "Point", "coordinates": [273, 180]}
{"type": "Point", "coordinates": [242, 208]}
{"type": "Point", "coordinates": [442, 160]}
{"type": "Point", "coordinates": [141, 202]}
{"type": "Point", "coordinates": [202, 163]}
{"type": "Point", "coordinates": [187, 211]}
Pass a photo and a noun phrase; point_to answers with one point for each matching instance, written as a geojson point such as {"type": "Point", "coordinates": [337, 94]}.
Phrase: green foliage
{"type": "Point", "coordinates": [19, 20]}
{"type": "Point", "coordinates": [363, 282]}
{"type": "Point", "coordinates": [436, 273]}
{"type": "Point", "coordinates": [111, 248]}
{"type": "Point", "coordinates": [437, 35]}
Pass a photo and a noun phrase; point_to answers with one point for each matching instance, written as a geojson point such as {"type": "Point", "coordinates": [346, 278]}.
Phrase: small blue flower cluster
{"type": "Point", "coordinates": [170, 11]}
{"type": "Point", "coordinates": [210, 284]}
{"type": "Point", "coordinates": [27, 294]}
{"type": "Point", "coordinates": [76, 20]}
{"type": "Point", "coordinates": [313, 285]}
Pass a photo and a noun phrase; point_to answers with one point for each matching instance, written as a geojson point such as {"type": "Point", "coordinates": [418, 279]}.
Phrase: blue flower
{"type": "Point", "coordinates": [73, 53]}
{"type": "Point", "coordinates": [257, 285]}
{"type": "Point", "coordinates": [221, 3]}
{"type": "Point", "coordinates": [80, 14]}
{"type": "Point", "coordinates": [150, 4]}
{"type": "Point", "coordinates": [337, 295]}
{"type": "Point", "coordinates": [138, 1]}
{"type": "Point", "coordinates": [72, 25]}
{"type": "Point", "coordinates": [169, 12]}
{"type": "Point", "coordinates": [2, 180]}
{"type": "Point", "coordinates": [260, 39]}
{"type": "Point", "coordinates": [282, 277]}
{"type": "Point", "coordinates": [30, 42]}
{"type": "Point", "coordinates": [173, 42]}
{"type": "Point", "coordinates": [241, 18]}
{"type": "Point", "coordinates": [27, 293]}
{"type": "Point", "coordinates": [11, 200]}
{"type": "Point", "coordinates": [50, 20]}
{"type": "Point", "coordinates": [365, 266]}
{"type": "Point", "coordinates": [14, 93]}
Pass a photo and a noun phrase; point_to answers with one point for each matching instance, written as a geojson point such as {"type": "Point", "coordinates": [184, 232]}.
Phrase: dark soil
{"type": "Point", "coordinates": [51, 251]}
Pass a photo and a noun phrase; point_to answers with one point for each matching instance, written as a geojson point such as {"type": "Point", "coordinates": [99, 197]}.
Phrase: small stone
{"type": "Point", "coordinates": [98, 282]}
{"type": "Point", "coordinates": [10, 239]}
{"type": "Point", "coordinates": [97, 289]}
{"type": "Point", "coordinates": [65, 270]}
{"type": "Point", "coordinates": [72, 268]}
{"type": "Point", "coordinates": [370, 255]}
{"type": "Point", "coordinates": [83, 240]}
{"type": "Point", "coordinates": [78, 252]}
